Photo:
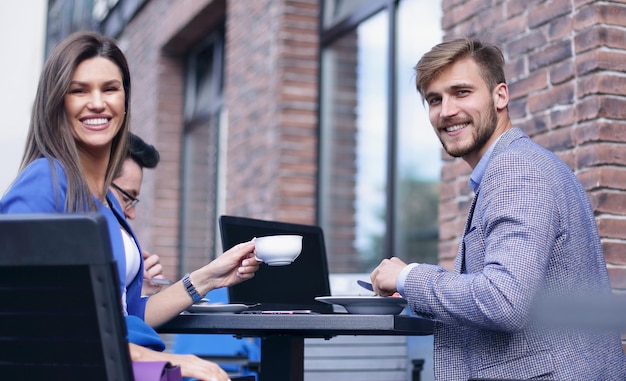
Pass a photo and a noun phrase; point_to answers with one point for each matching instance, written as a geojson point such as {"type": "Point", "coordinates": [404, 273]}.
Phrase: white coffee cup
{"type": "Point", "coordinates": [277, 250]}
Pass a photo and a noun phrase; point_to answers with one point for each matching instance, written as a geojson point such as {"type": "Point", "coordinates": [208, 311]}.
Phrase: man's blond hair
{"type": "Point", "coordinates": [488, 57]}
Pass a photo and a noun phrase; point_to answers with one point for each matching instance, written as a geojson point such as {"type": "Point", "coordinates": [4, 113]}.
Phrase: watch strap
{"type": "Point", "coordinates": [191, 290]}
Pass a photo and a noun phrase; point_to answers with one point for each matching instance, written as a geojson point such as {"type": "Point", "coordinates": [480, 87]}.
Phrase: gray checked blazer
{"type": "Point", "coordinates": [532, 233]}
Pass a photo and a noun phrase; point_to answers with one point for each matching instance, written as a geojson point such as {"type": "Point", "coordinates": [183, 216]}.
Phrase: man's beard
{"type": "Point", "coordinates": [480, 136]}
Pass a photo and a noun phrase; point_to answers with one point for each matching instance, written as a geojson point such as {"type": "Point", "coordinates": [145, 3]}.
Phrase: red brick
{"type": "Point", "coordinates": [599, 60]}
{"type": "Point", "coordinates": [463, 11]}
{"type": "Point", "coordinates": [514, 8]}
{"type": "Point", "coordinates": [601, 131]}
{"type": "Point", "coordinates": [617, 277]}
{"type": "Point", "coordinates": [556, 140]}
{"type": "Point", "coordinates": [599, 14]}
{"type": "Point", "coordinates": [563, 117]}
{"type": "Point", "coordinates": [447, 192]}
{"type": "Point", "coordinates": [601, 84]}
{"type": "Point", "coordinates": [569, 158]}
{"type": "Point", "coordinates": [456, 169]}
{"type": "Point", "coordinates": [548, 12]}
{"type": "Point", "coordinates": [601, 154]}
{"type": "Point", "coordinates": [535, 81]}
{"type": "Point", "coordinates": [515, 68]}
{"type": "Point", "coordinates": [580, 3]}
{"type": "Point", "coordinates": [512, 27]}
{"type": "Point", "coordinates": [534, 126]}
{"type": "Point", "coordinates": [599, 37]}
{"type": "Point", "coordinates": [609, 201]}
{"type": "Point", "coordinates": [615, 252]}
{"type": "Point", "coordinates": [447, 251]}
{"type": "Point", "coordinates": [448, 210]}
{"type": "Point", "coordinates": [521, 45]}
{"type": "Point", "coordinates": [451, 229]}
{"type": "Point", "coordinates": [603, 177]}
{"type": "Point", "coordinates": [560, 95]}
{"type": "Point", "coordinates": [560, 28]}
{"type": "Point", "coordinates": [601, 107]}
{"type": "Point", "coordinates": [517, 110]}
{"type": "Point", "coordinates": [550, 54]}
{"type": "Point", "coordinates": [562, 72]}
{"type": "Point", "coordinates": [611, 227]}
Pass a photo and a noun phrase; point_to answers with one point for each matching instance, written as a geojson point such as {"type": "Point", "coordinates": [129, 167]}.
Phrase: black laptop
{"type": "Point", "coordinates": [280, 288]}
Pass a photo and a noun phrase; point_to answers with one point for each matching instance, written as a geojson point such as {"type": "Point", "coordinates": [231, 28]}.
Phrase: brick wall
{"type": "Point", "coordinates": [271, 73]}
{"type": "Point", "coordinates": [271, 97]}
{"type": "Point", "coordinates": [564, 61]}
{"type": "Point", "coordinates": [564, 67]}
{"type": "Point", "coordinates": [155, 42]}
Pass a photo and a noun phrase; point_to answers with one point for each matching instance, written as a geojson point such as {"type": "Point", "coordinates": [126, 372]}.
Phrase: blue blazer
{"type": "Point", "coordinates": [33, 192]}
{"type": "Point", "coordinates": [532, 233]}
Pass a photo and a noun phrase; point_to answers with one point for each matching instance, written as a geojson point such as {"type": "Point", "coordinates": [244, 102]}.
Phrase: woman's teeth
{"type": "Point", "coordinates": [94, 122]}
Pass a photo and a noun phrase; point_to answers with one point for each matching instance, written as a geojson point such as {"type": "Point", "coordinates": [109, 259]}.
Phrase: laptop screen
{"type": "Point", "coordinates": [290, 287]}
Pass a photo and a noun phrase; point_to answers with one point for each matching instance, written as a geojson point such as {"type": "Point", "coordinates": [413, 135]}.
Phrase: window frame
{"type": "Point", "coordinates": [327, 37]}
{"type": "Point", "coordinates": [194, 118]}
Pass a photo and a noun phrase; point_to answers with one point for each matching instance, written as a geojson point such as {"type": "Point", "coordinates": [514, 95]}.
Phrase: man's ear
{"type": "Point", "coordinates": [501, 96]}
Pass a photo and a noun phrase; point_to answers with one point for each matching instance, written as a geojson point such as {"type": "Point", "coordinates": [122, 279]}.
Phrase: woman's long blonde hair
{"type": "Point", "coordinates": [50, 133]}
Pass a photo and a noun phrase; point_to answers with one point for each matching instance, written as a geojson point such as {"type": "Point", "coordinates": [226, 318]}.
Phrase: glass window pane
{"type": "Point", "coordinates": [337, 10]}
{"type": "Point", "coordinates": [354, 146]}
{"type": "Point", "coordinates": [199, 189]}
{"type": "Point", "coordinates": [418, 149]}
{"type": "Point", "coordinates": [206, 82]}
{"type": "Point", "coordinates": [202, 156]}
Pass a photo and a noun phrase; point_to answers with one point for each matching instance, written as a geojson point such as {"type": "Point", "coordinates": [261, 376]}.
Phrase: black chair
{"type": "Point", "coordinates": [60, 311]}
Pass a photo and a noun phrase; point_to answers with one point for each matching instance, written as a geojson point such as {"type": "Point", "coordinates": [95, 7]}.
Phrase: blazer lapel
{"type": "Point", "coordinates": [459, 264]}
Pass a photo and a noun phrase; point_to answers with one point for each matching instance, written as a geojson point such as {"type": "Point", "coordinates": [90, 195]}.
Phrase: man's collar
{"type": "Point", "coordinates": [478, 172]}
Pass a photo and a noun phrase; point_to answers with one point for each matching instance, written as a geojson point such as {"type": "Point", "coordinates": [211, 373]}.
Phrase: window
{"type": "Point", "coordinates": [202, 156]}
{"type": "Point", "coordinates": [64, 18]}
{"type": "Point", "coordinates": [379, 158]}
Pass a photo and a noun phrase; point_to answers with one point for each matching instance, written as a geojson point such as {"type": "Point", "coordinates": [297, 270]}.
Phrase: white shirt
{"type": "Point", "coordinates": [133, 263]}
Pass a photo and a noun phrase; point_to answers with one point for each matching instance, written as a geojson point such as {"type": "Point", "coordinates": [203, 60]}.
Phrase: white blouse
{"type": "Point", "coordinates": [133, 259]}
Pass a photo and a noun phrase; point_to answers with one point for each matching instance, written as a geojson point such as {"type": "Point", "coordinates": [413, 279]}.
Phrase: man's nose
{"type": "Point", "coordinates": [448, 107]}
{"type": "Point", "coordinates": [130, 213]}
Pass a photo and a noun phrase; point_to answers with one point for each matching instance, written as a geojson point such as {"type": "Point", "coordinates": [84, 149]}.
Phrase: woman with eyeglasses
{"type": "Point", "coordinates": [77, 139]}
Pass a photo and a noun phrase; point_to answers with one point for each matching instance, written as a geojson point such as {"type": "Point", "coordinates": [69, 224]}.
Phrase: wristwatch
{"type": "Point", "coordinates": [191, 290]}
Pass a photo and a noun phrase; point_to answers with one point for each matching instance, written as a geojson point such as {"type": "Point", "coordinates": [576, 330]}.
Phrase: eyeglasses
{"type": "Point", "coordinates": [129, 200]}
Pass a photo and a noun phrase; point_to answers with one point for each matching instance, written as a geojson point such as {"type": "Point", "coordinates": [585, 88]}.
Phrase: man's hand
{"type": "Point", "coordinates": [385, 277]}
{"type": "Point", "coordinates": [152, 268]}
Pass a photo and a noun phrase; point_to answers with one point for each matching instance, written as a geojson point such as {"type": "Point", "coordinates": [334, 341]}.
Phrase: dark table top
{"type": "Point", "coordinates": [304, 325]}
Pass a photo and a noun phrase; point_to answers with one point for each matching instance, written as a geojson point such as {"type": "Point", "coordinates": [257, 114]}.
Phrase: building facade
{"type": "Point", "coordinates": [305, 111]}
{"type": "Point", "coordinates": [300, 111]}
{"type": "Point", "coordinates": [274, 121]}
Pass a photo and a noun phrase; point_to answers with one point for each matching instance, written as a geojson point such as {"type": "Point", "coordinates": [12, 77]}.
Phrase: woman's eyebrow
{"type": "Point", "coordinates": [106, 83]}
